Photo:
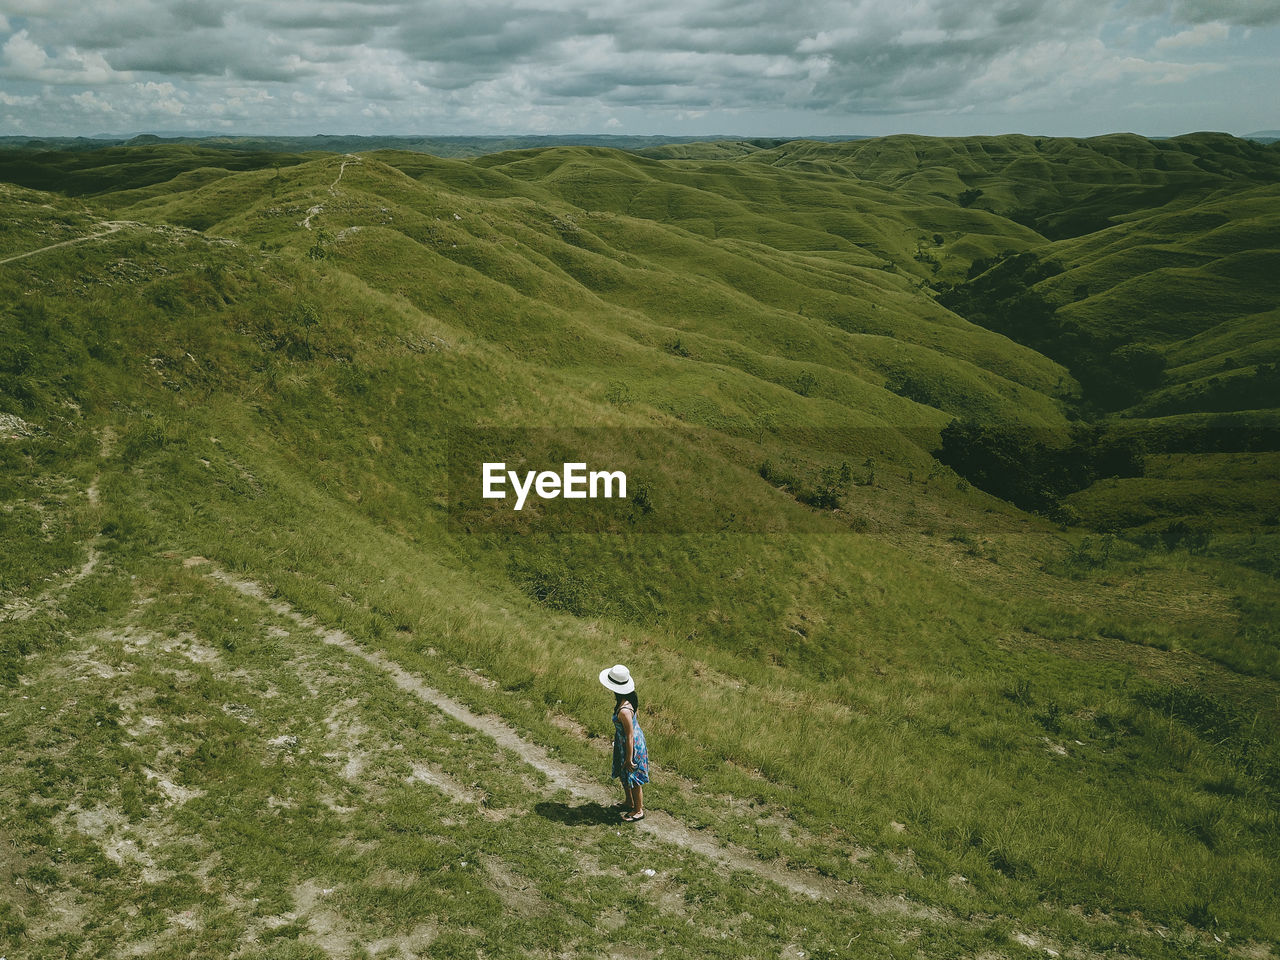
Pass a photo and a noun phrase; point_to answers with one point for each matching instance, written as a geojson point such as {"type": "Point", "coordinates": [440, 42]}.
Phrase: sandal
{"type": "Point", "coordinates": [633, 817]}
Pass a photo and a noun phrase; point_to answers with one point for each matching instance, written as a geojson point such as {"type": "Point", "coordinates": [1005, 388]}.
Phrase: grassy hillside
{"type": "Point", "coordinates": [887, 708]}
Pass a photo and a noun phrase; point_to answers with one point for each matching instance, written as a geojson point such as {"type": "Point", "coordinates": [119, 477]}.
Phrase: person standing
{"type": "Point", "coordinates": [630, 752]}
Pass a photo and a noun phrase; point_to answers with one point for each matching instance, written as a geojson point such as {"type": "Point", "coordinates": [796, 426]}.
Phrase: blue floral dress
{"type": "Point", "coordinates": [629, 778]}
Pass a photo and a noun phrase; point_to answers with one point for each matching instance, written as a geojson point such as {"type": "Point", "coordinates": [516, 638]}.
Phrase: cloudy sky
{"type": "Point", "coordinates": [750, 67]}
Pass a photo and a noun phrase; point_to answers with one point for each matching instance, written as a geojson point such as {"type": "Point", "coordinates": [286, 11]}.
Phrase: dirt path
{"type": "Point", "coordinates": [350, 158]}
{"type": "Point", "coordinates": [659, 825]}
{"type": "Point", "coordinates": [333, 191]}
{"type": "Point", "coordinates": [562, 776]}
{"type": "Point", "coordinates": [111, 225]}
{"type": "Point", "coordinates": [22, 608]}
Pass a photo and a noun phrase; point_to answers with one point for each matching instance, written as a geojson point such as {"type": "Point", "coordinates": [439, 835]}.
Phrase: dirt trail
{"type": "Point", "coordinates": [333, 191]}
{"type": "Point", "coordinates": [111, 225]}
{"type": "Point", "coordinates": [349, 158]}
{"type": "Point", "coordinates": [562, 776]}
{"type": "Point", "coordinates": [661, 826]}
{"type": "Point", "coordinates": [22, 608]}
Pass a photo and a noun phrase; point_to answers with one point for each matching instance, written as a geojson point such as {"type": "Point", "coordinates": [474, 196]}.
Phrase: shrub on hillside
{"type": "Point", "coordinates": [1178, 535]}
{"type": "Point", "coordinates": [1035, 471]}
{"type": "Point", "coordinates": [824, 492]}
{"type": "Point", "coordinates": [1139, 364]}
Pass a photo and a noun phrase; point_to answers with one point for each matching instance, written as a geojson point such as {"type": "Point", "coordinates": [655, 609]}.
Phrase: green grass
{"type": "Point", "coordinates": [925, 692]}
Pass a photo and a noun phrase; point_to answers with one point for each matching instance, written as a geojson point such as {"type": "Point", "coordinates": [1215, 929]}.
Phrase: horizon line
{"type": "Point", "coordinates": [699, 137]}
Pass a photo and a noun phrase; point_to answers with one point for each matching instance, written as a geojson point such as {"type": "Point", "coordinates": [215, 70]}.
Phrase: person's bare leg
{"type": "Point", "coordinates": [637, 799]}
{"type": "Point", "coordinates": [630, 802]}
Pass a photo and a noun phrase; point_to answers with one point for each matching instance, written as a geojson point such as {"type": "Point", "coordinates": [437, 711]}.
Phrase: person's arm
{"type": "Point", "coordinates": [629, 759]}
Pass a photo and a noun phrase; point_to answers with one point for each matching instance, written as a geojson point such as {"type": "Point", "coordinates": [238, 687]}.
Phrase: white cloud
{"type": "Point", "coordinates": [335, 87]}
{"type": "Point", "coordinates": [25, 59]}
{"type": "Point", "coordinates": [1071, 73]}
{"type": "Point", "coordinates": [23, 54]}
{"type": "Point", "coordinates": [90, 102]}
{"type": "Point", "coordinates": [1196, 36]}
{"type": "Point", "coordinates": [164, 97]}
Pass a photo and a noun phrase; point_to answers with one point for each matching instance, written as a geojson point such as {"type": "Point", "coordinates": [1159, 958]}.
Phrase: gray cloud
{"type": "Point", "coordinates": [748, 66]}
{"type": "Point", "coordinates": [1245, 13]}
{"type": "Point", "coordinates": [215, 56]}
{"type": "Point", "coordinates": [481, 38]}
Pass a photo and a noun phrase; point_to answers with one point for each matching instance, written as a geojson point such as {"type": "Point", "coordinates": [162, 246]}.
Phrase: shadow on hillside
{"type": "Point", "coordinates": [582, 815]}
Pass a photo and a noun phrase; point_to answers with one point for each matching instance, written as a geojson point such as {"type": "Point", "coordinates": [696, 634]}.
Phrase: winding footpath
{"type": "Point", "coordinates": [112, 226]}
{"type": "Point", "coordinates": [562, 776]}
{"type": "Point", "coordinates": [333, 190]}
{"type": "Point", "coordinates": [22, 608]}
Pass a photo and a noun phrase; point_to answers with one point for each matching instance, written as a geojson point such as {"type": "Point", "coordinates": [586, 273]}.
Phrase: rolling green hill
{"type": "Point", "coordinates": [279, 682]}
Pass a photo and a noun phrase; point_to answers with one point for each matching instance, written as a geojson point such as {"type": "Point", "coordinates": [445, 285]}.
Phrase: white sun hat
{"type": "Point", "coordinates": [618, 679]}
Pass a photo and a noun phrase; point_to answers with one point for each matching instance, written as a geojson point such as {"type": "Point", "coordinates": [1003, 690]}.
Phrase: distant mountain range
{"type": "Point", "coordinates": [442, 146]}
{"type": "Point", "coordinates": [438, 146]}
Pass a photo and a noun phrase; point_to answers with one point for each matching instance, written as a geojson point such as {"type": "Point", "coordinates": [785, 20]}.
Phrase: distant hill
{"type": "Point", "coordinates": [439, 146]}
